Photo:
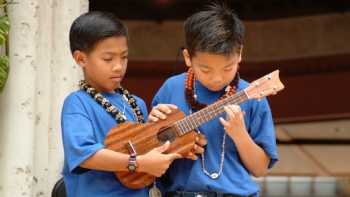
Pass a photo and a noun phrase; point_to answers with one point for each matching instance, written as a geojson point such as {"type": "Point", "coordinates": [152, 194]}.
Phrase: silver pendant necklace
{"type": "Point", "coordinates": [215, 175]}
{"type": "Point", "coordinates": [154, 191]}
{"type": "Point", "coordinates": [212, 175]}
{"type": "Point", "coordinates": [125, 100]}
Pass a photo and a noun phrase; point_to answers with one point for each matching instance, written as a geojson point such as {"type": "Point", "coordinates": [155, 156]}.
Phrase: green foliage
{"type": "Point", "coordinates": [4, 70]}
{"type": "Point", "coordinates": [4, 30]}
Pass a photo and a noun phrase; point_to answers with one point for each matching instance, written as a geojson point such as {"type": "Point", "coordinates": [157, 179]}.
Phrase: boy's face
{"type": "Point", "coordinates": [214, 71]}
{"type": "Point", "coordinates": [105, 66]}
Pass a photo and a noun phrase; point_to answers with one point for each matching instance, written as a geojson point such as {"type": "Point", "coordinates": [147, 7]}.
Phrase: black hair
{"type": "Point", "coordinates": [216, 29]}
{"type": "Point", "coordinates": [90, 28]}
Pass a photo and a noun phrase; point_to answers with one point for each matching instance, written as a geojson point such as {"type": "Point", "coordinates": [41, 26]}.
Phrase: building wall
{"type": "Point", "coordinates": [287, 38]}
{"type": "Point", "coordinates": [42, 72]}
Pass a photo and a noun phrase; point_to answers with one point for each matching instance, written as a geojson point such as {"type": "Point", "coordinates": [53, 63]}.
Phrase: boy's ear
{"type": "Point", "coordinates": [240, 54]}
{"type": "Point", "coordinates": [80, 58]}
{"type": "Point", "coordinates": [187, 57]}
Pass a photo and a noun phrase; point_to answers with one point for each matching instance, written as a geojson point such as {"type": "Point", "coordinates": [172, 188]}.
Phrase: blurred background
{"type": "Point", "coordinates": [307, 40]}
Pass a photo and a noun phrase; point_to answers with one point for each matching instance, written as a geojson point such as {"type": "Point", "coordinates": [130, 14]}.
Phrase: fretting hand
{"type": "Point", "coordinates": [234, 122]}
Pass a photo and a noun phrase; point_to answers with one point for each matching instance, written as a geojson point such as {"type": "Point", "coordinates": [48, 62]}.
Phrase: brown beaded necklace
{"type": "Point", "coordinates": [190, 90]}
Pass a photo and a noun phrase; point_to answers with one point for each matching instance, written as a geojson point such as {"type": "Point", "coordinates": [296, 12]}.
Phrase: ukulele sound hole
{"type": "Point", "coordinates": [167, 134]}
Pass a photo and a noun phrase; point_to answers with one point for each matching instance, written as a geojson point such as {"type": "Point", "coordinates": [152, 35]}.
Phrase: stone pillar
{"type": "Point", "coordinates": [42, 72]}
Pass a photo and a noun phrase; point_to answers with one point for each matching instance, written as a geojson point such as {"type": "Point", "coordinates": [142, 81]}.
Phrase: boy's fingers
{"type": "Point", "coordinates": [229, 112]}
{"type": "Point", "coordinates": [165, 108]}
{"type": "Point", "coordinates": [235, 108]}
{"type": "Point", "coordinates": [163, 147]}
{"type": "Point", "coordinates": [237, 111]}
{"type": "Point", "coordinates": [172, 106]}
{"type": "Point", "coordinates": [174, 156]}
{"type": "Point", "coordinates": [192, 156]}
{"type": "Point", "coordinates": [152, 118]}
{"type": "Point", "coordinates": [201, 140]}
{"type": "Point", "coordinates": [158, 114]}
{"type": "Point", "coordinates": [198, 149]}
{"type": "Point", "coordinates": [223, 122]}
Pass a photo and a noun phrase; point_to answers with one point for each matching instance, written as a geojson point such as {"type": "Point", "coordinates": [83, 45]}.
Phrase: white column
{"type": "Point", "coordinates": [42, 73]}
{"type": "Point", "coordinates": [66, 75]}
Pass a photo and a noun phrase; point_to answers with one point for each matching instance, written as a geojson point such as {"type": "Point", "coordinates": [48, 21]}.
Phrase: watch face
{"type": "Point", "coordinates": [132, 168]}
{"type": "Point", "coordinates": [132, 163]}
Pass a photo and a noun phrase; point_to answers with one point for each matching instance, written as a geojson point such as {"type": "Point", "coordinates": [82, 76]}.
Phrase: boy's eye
{"type": "Point", "coordinates": [205, 70]}
{"type": "Point", "coordinates": [107, 59]}
{"type": "Point", "coordinates": [228, 68]}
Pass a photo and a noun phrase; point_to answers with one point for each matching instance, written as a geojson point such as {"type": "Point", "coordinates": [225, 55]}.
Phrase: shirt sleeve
{"type": "Point", "coordinates": [262, 129]}
{"type": "Point", "coordinates": [79, 141]}
{"type": "Point", "coordinates": [161, 96]}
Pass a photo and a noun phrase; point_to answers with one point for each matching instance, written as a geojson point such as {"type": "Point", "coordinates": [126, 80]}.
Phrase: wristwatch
{"type": "Point", "coordinates": [132, 165]}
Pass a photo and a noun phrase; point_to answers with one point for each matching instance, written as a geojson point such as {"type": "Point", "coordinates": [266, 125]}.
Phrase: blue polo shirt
{"type": "Point", "coordinates": [85, 125]}
{"type": "Point", "coordinates": [187, 175]}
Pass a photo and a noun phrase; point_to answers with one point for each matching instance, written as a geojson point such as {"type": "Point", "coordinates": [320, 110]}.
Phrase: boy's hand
{"type": "Point", "coordinates": [155, 162]}
{"type": "Point", "coordinates": [160, 111]}
{"type": "Point", "coordinates": [234, 122]}
{"type": "Point", "coordinates": [198, 148]}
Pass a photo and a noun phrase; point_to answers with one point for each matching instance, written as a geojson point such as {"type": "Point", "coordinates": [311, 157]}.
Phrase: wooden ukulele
{"type": "Point", "coordinates": [177, 129]}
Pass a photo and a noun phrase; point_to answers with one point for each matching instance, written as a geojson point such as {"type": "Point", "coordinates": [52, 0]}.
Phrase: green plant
{"type": "Point", "coordinates": [4, 30]}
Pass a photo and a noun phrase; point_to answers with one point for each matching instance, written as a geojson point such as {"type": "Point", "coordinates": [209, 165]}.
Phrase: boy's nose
{"type": "Point", "coordinates": [116, 67]}
{"type": "Point", "coordinates": [217, 79]}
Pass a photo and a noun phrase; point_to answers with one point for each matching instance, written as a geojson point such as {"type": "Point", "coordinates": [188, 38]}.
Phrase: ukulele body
{"type": "Point", "coordinates": [144, 138]}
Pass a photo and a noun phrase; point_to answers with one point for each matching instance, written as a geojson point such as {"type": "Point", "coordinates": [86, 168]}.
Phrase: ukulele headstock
{"type": "Point", "coordinates": [267, 85]}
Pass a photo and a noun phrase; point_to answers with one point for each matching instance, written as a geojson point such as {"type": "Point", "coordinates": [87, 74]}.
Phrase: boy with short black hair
{"type": "Point", "coordinates": [240, 145]}
{"type": "Point", "coordinates": [98, 42]}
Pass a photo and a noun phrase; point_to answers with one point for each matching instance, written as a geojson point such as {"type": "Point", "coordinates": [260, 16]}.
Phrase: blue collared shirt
{"type": "Point", "coordinates": [187, 175]}
{"type": "Point", "coordinates": [85, 125]}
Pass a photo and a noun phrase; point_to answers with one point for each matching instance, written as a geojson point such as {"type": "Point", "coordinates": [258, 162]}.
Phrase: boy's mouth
{"type": "Point", "coordinates": [117, 78]}
{"type": "Point", "coordinates": [217, 88]}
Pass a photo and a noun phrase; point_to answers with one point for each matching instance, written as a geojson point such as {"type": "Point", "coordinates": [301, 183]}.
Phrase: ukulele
{"type": "Point", "coordinates": [130, 137]}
